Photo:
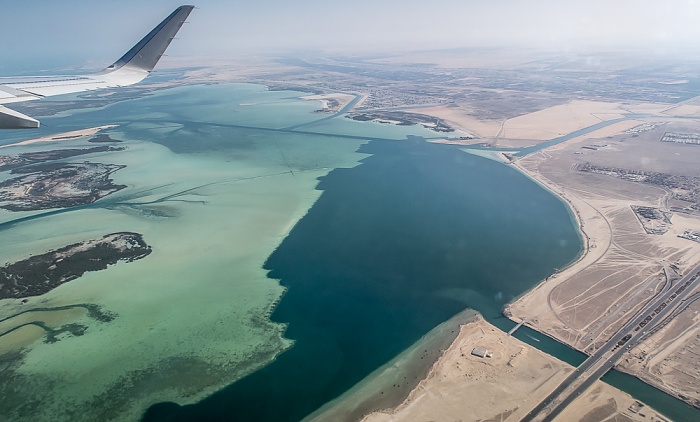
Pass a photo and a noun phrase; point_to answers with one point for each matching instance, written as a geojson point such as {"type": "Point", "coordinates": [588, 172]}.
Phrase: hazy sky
{"type": "Point", "coordinates": [70, 33]}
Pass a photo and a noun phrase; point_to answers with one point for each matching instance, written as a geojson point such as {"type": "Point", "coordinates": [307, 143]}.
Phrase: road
{"type": "Point", "coordinates": [593, 368]}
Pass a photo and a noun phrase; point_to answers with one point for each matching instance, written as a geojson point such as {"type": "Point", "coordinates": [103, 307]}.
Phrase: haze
{"type": "Point", "coordinates": [72, 32]}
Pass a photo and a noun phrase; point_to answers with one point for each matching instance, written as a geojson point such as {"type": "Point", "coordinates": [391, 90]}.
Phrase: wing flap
{"type": "Point", "coordinates": [9, 94]}
{"type": "Point", "coordinates": [53, 86]}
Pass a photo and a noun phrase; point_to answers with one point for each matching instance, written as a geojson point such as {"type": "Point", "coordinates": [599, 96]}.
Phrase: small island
{"type": "Point", "coordinates": [10, 162]}
{"type": "Point", "coordinates": [103, 138]}
{"type": "Point", "coordinates": [57, 185]}
{"type": "Point", "coordinates": [403, 119]}
{"type": "Point", "coordinates": [40, 274]}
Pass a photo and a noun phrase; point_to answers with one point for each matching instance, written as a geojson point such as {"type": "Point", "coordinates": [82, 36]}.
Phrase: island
{"type": "Point", "coordinates": [617, 143]}
{"type": "Point", "coordinates": [40, 274]}
{"type": "Point", "coordinates": [10, 162]}
{"type": "Point", "coordinates": [57, 185]}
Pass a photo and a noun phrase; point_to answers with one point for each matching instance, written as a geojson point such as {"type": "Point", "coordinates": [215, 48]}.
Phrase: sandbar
{"type": "Point", "coordinates": [62, 136]}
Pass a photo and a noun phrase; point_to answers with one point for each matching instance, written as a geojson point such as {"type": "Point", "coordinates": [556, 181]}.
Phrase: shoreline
{"type": "Point", "coordinates": [392, 383]}
{"type": "Point", "coordinates": [598, 232]}
{"type": "Point", "coordinates": [572, 267]}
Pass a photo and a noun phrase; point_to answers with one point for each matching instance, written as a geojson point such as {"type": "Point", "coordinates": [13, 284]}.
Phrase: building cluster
{"type": "Point", "coordinates": [683, 188]}
{"type": "Point", "coordinates": [681, 138]}
{"type": "Point", "coordinates": [653, 220]}
{"type": "Point", "coordinates": [690, 235]}
{"type": "Point", "coordinates": [644, 127]}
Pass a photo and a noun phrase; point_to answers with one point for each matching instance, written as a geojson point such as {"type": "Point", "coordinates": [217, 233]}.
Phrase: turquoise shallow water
{"type": "Point", "coordinates": [375, 237]}
{"type": "Point", "coordinates": [213, 202]}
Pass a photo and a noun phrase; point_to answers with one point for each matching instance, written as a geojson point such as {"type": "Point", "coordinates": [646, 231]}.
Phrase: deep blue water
{"type": "Point", "coordinates": [392, 248]}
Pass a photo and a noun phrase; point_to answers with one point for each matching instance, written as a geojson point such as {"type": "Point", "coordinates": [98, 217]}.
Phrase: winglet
{"type": "Point", "coordinates": [138, 62]}
{"type": "Point", "coordinates": [132, 67]}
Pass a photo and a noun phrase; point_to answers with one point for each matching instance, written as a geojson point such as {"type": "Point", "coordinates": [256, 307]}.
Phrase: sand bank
{"type": "Point", "coordinates": [389, 385]}
{"type": "Point", "coordinates": [62, 136]}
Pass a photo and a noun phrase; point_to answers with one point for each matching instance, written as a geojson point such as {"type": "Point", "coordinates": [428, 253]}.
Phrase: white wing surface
{"type": "Point", "coordinates": [132, 67]}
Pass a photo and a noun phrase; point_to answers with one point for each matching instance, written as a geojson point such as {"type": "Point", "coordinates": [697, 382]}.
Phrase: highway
{"type": "Point", "coordinates": [634, 331]}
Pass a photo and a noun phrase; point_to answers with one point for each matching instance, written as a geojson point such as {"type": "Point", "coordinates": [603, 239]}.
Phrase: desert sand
{"type": "Point", "coordinates": [560, 120]}
{"type": "Point", "coordinates": [456, 116]}
{"type": "Point", "coordinates": [622, 265]}
{"type": "Point", "coordinates": [504, 387]}
{"type": "Point", "coordinates": [531, 128]}
{"type": "Point", "coordinates": [620, 268]}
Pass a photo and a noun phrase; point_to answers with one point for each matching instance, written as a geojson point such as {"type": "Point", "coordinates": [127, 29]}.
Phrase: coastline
{"type": "Point", "coordinates": [330, 102]}
{"type": "Point", "coordinates": [586, 257]}
{"type": "Point", "coordinates": [611, 236]}
{"type": "Point", "coordinates": [586, 253]}
{"type": "Point", "coordinates": [192, 363]}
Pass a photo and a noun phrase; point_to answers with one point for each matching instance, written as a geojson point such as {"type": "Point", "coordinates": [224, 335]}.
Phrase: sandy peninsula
{"type": "Point", "coordinates": [331, 103]}
{"type": "Point", "coordinates": [62, 136]}
{"type": "Point", "coordinates": [503, 387]}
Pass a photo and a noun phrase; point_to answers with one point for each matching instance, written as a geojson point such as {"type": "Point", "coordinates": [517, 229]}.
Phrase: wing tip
{"type": "Point", "coordinates": [11, 119]}
{"type": "Point", "coordinates": [148, 51]}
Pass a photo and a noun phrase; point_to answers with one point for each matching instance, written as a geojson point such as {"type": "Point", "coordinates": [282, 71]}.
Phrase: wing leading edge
{"type": "Point", "coordinates": [131, 68]}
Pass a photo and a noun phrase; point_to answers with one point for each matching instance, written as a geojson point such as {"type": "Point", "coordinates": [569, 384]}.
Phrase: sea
{"type": "Point", "coordinates": [296, 256]}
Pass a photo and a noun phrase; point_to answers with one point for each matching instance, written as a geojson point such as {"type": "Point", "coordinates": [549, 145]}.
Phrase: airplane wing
{"type": "Point", "coordinates": [132, 67]}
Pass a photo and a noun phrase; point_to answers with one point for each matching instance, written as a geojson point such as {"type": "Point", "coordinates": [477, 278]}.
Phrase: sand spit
{"type": "Point", "coordinates": [504, 387]}
{"type": "Point", "coordinates": [331, 103]}
{"type": "Point", "coordinates": [389, 385]}
{"type": "Point", "coordinates": [62, 136]}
